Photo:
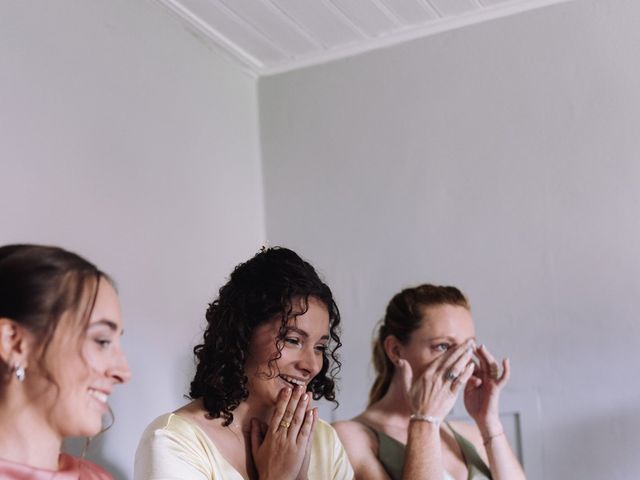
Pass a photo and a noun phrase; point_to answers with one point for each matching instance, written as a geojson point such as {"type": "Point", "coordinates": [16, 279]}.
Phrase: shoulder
{"type": "Point", "coordinates": [354, 432]}
{"type": "Point", "coordinates": [171, 424]}
{"type": "Point", "coordinates": [361, 445]}
{"type": "Point", "coordinates": [172, 435]}
{"type": "Point", "coordinates": [358, 433]}
{"type": "Point", "coordinates": [173, 447]}
{"type": "Point", "coordinates": [328, 456]}
{"type": "Point", "coordinates": [325, 434]}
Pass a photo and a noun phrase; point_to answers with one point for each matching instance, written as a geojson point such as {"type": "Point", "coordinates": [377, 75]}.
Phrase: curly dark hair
{"type": "Point", "coordinates": [260, 289]}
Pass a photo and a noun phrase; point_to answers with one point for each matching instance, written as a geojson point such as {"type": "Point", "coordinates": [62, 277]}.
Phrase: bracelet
{"type": "Point", "coordinates": [486, 441]}
{"type": "Point", "coordinates": [415, 417]}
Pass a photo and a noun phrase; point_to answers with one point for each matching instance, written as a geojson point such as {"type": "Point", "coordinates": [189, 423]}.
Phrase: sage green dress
{"type": "Point", "coordinates": [391, 455]}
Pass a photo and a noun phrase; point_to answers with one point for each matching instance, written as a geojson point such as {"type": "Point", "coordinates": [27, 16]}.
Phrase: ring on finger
{"type": "Point", "coordinates": [285, 424]}
{"type": "Point", "coordinates": [451, 376]}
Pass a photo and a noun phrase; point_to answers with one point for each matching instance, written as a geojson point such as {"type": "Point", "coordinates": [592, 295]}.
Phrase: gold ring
{"type": "Point", "coordinates": [285, 424]}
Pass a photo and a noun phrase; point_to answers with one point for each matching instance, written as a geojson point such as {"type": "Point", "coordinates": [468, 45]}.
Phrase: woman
{"type": "Point", "coordinates": [60, 357]}
{"type": "Point", "coordinates": [268, 349]}
{"type": "Point", "coordinates": [423, 359]}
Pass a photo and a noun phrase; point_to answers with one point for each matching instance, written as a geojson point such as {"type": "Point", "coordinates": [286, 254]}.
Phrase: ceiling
{"type": "Point", "coordinates": [272, 36]}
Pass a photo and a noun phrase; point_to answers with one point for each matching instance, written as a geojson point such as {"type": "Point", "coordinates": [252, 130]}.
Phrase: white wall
{"type": "Point", "coordinates": [125, 138]}
{"type": "Point", "coordinates": [502, 158]}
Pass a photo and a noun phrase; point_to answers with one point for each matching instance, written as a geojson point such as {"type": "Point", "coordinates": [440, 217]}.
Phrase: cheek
{"type": "Point", "coordinates": [93, 360]}
{"type": "Point", "coordinates": [423, 359]}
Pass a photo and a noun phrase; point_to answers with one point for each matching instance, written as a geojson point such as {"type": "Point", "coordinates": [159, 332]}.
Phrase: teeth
{"type": "Point", "coordinates": [295, 381]}
{"type": "Point", "coordinates": [101, 396]}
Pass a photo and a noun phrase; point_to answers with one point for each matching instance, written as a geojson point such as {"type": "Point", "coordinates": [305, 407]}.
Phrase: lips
{"type": "Point", "coordinates": [293, 380]}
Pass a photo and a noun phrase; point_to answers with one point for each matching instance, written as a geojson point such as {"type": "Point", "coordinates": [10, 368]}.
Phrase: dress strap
{"type": "Point", "coordinates": [475, 464]}
{"type": "Point", "coordinates": [390, 452]}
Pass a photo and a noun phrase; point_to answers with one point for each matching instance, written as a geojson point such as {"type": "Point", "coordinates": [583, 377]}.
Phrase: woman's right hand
{"type": "Point", "coordinates": [433, 393]}
{"type": "Point", "coordinates": [279, 453]}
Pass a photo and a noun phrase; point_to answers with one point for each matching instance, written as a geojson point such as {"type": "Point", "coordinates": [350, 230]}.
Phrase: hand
{"type": "Point", "coordinates": [434, 393]}
{"type": "Point", "coordinates": [482, 393]}
{"type": "Point", "coordinates": [279, 453]}
{"type": "Point", "coordinates": [304, 470]}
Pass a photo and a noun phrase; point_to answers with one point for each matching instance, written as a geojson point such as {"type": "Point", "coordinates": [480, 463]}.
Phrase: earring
{"type": "Point", "coordinates": [20, 373]}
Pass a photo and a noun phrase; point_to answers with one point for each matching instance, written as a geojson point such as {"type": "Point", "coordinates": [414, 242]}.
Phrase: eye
{"type": "Point", "coordinates": [441, 347]}
{"type": "Point", "coordinates": [322, 349]}
{"type": "Point", "coordinates": [293, 341]}
{"type": "Point", "coordinates": [103, 342]}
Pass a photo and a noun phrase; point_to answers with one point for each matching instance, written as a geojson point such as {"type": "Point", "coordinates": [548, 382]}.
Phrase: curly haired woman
{"type": "Point", "coordinates": [268, 350]}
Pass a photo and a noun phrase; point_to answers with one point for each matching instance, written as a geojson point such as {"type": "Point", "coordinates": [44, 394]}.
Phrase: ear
{"type": "Point", "coordinates": [14, 343]}
{"type": "Point", "coordinates": [393, 349]}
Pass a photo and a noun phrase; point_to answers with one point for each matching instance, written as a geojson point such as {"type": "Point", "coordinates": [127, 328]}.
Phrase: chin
{"type": "Point", "coordinates": [90, 425]}
{"type": "Point", "coordinates": [84, 430]}
{"type": "Point", "coordinates": [91, 431]}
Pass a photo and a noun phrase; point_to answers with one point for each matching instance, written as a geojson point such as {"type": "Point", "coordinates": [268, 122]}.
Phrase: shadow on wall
{"type": "Point", "coordinates": [94, 452]}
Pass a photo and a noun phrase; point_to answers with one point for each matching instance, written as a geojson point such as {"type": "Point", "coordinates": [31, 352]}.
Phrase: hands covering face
{"type": "Point", "coordinates": [434, 392]}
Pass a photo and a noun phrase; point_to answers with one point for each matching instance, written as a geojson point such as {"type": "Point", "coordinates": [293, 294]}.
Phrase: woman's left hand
{"type": "Point", "coordinates": [482, 392]}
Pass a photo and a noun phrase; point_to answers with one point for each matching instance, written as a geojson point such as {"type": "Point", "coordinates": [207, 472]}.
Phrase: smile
{"type": "Point", "coordinates": [100, 396]}
{"type": "Point", "coordinates": [292, 380]}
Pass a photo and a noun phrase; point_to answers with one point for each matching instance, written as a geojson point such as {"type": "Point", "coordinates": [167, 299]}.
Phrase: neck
{"type": "Point", "coordinates": [25, 436]}
{"type": "Point", "coordinates": [248, 410]}
{"type": "Point", "coordinates": [394, 404]}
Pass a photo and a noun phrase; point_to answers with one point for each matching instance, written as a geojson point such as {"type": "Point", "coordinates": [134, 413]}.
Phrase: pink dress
{"type": "Point", "coordinates": [71, 468]}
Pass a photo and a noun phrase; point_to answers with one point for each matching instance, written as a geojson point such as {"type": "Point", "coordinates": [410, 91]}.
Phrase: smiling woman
{"type": "Point", "coordinates": [60, 357]}
{"type": "Point", "coordinates": [269, 349]}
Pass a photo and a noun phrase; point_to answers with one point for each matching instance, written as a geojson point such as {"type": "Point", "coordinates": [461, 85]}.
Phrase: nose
{"type": "Point", "coordinates": [119, 369]}
{"type": "Point", "coordinates": [310, 362]}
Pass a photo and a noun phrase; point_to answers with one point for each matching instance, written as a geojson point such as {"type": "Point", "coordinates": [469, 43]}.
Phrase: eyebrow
{"type": "Point", "coordinates": [109, 323]}
{"type": "Point", "coordinates": [304, 334]}
{"type": "Point", "coordinates": [446, 337]}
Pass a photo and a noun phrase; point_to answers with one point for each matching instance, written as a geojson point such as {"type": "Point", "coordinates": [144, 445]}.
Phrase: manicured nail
{"type": "Point", "coordinates": [305, 397]}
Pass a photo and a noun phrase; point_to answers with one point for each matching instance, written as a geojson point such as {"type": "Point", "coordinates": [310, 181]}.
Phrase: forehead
{"type": "Point", "coordinates": [106, 306]}
{"type": "Point", "coordinates": [314, 321]}
{"type": "Point", "coordinates": [446, 321]}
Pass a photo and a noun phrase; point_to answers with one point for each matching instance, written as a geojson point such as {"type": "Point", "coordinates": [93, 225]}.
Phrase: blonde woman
{"type": "Point", "coordinates": [424, 358]}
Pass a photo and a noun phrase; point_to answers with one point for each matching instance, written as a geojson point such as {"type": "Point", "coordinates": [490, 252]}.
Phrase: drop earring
{"type": "Point", "coordinates": [19, 372]}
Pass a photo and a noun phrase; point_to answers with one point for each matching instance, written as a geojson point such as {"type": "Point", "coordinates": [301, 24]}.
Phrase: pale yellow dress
{"type": "Point", "coordinates": [174, 448]}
